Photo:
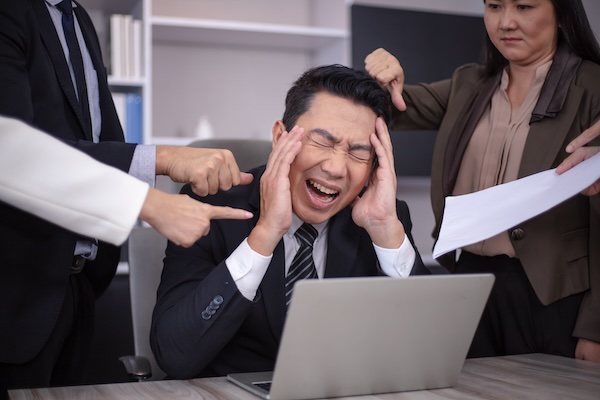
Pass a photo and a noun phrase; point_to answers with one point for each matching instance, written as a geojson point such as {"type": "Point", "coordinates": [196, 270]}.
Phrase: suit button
{"type": "Point", "coordinates": [517, 234]}
{"type": "Point", "coordinates": [206, 315]}
{"type": "Point", "coordinates": [218, 300]}
{"type": "Point", "coordinates": [210, 311]}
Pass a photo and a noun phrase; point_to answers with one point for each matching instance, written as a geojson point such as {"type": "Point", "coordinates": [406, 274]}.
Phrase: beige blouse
{"type": "Point", "coordinates": [493, 155]}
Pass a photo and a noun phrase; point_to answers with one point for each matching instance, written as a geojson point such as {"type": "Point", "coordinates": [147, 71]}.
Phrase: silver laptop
{"type": "Point", "coordinates": [356, 336]}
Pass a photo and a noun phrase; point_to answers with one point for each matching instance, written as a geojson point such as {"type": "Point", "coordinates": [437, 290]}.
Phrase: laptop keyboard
{"type": "Point", "coordinates": [263, 385]}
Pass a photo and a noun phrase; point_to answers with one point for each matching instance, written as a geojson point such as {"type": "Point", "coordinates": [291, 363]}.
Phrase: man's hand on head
{"type": "Point", "coordinates": [375, 210]}
{"type": "Point", "coordinates": [275, 196]}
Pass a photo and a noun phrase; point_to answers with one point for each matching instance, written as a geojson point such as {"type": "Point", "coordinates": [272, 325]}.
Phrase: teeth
{"type": "Point", "coordinates": [323, 189]}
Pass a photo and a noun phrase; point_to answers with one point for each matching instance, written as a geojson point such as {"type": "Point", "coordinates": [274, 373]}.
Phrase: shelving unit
{"type": "Point", "coordinates": [228, 62]}
{"type": "Point", "coordinates": [235, 33]}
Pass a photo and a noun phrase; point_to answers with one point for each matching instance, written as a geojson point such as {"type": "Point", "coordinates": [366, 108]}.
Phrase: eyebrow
{"type": "Point", "coordinates": [335, 140]}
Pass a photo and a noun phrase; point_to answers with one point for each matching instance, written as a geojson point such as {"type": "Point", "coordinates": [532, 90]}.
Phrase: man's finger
{"type": "Point", "coordinates": [220, 212]}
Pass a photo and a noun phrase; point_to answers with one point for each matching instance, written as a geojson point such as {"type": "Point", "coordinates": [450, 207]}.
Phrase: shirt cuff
{"type": "Point", "coordinates": [143, 163]}
{"type": "Point", "coordinates": [247, 268]}
{"type": "Point", "coordinates": [396, 263]}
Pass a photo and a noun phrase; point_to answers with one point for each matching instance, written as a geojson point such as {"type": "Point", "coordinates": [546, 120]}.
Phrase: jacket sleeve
{"type": "Point", "coordinates": [199, 308]}
{"type": "Point", "coordinates": [404, 216]}
{"type": "Point", "coordinates": [64, 186]}
{"type": "Point", "coordinates": [427, 103]}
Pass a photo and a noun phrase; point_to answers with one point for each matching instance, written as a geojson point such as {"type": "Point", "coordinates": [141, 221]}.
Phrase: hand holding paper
{"type": "Point", "coordinates": [477, 216]}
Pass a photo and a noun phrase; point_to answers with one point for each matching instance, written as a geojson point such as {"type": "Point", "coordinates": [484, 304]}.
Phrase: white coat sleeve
{"type": "Point", "coordinates": [46, 177]}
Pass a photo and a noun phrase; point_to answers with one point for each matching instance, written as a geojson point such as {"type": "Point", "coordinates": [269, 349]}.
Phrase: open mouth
{"type": "Point", "coordinates": [323, 193]}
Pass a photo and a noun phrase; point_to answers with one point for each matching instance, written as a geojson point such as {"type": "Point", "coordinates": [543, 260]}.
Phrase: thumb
{"type": "Point", "coordinates": [246, 178]}
{"type": "Point", "coordinates": [395, 90]}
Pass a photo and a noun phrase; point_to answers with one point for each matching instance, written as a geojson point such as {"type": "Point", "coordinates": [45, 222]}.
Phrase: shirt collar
{"type": "Point", "coordinates": [53, 3]}
{"type": "Point", "coordinates": [541, 72]}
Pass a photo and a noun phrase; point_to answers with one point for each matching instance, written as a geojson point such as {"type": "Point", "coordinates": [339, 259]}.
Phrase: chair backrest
{"type": "Point", "coordinates": [146, 254]}
{"type": "Point", "coordinates": [248, 153]}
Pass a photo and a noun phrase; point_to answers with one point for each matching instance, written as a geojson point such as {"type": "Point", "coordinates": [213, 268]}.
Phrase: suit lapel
{"type": "Point", "coordinates": [272, 287]}
{"type": "Point", "coordinates": [553, 114]}
{"type": "Point", "coordinates": [546, 139]}
{"type": "Point", "coordinates": [274, 293]}
{"type": "Point", "coordinates": [342, 245]}
{"type": "Point", "coordinates": [89, 35]}
{"type": "Point", "coordinates": [50, 39]}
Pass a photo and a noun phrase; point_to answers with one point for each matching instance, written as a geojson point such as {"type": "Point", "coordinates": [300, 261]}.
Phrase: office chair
{"type": "Point", "coordinates": [248, 153]}
{"type": "Point", "coordinates": [146, 252]}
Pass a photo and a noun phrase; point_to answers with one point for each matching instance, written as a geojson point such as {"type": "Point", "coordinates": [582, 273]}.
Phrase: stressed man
{"type": "Point", "coordinates": [327, 193]}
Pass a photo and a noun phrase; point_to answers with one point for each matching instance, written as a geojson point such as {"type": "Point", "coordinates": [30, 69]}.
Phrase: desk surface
{"type": "Point", "coordinates": [531, 376]}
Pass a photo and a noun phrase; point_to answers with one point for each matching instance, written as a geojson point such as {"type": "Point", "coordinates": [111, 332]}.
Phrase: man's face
{"type": "Point", "coordinates": [335, 160]}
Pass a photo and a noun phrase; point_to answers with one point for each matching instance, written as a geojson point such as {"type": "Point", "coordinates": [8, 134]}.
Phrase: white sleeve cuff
{"type": "Point", "coordinates": [396, 263]}
{"type": "Point", "coordinates": [247, 268]}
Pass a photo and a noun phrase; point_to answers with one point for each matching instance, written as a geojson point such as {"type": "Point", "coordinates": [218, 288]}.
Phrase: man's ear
{"type": "Point", "coordinates": [277, 131]}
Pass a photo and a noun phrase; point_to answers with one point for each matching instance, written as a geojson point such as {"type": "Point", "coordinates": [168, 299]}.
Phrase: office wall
{"type": "Point", "coordinates": [592, 8]}
{"type": "Point", "coordinates": [462, 7]}
{"type": "Point", "coordinates": [469, 7]}
{"type": "Point", "coordinates": [430, 46]}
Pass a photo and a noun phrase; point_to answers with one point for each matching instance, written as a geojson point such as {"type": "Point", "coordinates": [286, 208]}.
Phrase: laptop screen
{"type": "Point", "coordinates": [354, 336]}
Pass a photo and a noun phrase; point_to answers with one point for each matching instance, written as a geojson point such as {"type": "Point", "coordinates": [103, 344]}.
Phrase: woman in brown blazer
{"type": "Point", "coordinates": [511, 117]}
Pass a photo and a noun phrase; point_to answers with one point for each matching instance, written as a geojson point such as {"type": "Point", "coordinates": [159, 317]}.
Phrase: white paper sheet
{"type": "Point", "coordinates": [477, 216]}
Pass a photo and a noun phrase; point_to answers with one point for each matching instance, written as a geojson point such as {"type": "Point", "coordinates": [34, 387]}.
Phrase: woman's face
{"type": "Point", "coordinates": [524, 31]}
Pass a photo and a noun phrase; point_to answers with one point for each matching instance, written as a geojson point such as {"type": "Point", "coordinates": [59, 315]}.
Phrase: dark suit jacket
{"type": "Point", "coordinates": [242, 335]}
{"type": "Point", "coordinates": [559, 249]}
{"type": "Point", "coordinates": [35, 86]}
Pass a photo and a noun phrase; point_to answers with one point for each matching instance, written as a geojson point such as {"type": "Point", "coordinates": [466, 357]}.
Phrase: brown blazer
{"type": "Point", "coordinates": [559, 249]}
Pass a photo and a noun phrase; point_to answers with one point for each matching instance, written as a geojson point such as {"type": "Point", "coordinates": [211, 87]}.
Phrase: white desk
{"type": "Point", "coordinates": [533, 376]}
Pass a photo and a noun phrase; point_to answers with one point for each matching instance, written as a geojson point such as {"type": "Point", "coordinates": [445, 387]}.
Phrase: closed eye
{"type": "Point", "coordinates": [362, 154]}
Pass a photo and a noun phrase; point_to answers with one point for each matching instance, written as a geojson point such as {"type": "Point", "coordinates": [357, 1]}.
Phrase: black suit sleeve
{"type": "Point", "coordinates": [15, 49]}
{"type": "Point", "coordinates": [404, 216]}
{"type": "Point", "coordinates": [199, 309]}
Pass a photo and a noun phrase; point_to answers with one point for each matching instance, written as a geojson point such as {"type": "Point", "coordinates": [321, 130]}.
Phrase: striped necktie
{"type": "Point", "coordinates": [303, 265]}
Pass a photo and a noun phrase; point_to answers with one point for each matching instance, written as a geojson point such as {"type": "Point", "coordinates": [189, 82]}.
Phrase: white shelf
{"type": "Point", "coordinates": [110, 6]}
{"type": "Point", "coordinates": [126, 82]}
{"type": "Point", "coordinates": [235, 33]}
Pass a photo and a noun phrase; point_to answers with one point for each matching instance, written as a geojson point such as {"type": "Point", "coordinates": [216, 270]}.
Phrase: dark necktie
{"type": "Point", "coordinates": [68, 24]}
{"type": "Point", "coordinates": [303, 265]}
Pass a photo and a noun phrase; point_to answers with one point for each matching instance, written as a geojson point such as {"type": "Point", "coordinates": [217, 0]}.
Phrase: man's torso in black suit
{"type": "Point", "coordinates": [241, 335]}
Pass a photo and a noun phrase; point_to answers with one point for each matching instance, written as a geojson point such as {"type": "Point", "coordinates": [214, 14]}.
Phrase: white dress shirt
{"type": "Point", "coordinates": [248, 267]}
